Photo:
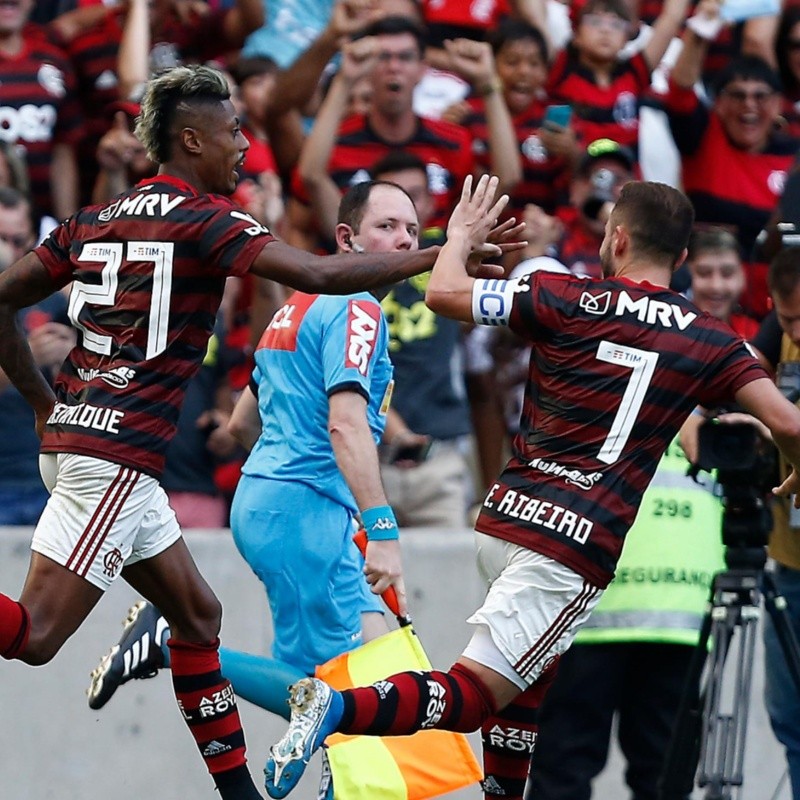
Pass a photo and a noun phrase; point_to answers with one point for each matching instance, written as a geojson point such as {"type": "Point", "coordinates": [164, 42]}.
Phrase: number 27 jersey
{"type": "Point", "coordinates": [615, 369]}
{"type": "Point", "coordinates": [148, 270]}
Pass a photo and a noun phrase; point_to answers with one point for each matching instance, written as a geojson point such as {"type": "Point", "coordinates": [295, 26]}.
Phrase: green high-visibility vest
{"type": "Point", "coordinates": [671, 554]}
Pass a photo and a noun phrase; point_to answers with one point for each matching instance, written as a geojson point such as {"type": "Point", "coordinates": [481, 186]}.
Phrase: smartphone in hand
{"type": "Point", "coordinates": [558, 116]}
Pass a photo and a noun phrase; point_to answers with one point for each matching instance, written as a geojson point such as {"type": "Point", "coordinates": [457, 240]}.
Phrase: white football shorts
{"type": "Point", "coordinates": [533, 609]}
{"type": "Point", "coordinates": [101, 516]}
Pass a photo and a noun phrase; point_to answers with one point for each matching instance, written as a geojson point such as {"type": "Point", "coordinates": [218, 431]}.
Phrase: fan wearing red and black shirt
{"type": "Point", "coordinates": [734, 159]}
{"type": "Point", "coordinates": [180, 32]}
{"type": "Point", "coordinates": [520, 57]}
{"type": "Point", "coordinates": [38, 110]}
{"type": "Point", "coordinates": [391, 53]}
{"type": "Point", "coordinates": [603, 90]}
{"type": "Point", "coordinates": [618, 364]}
{"type": "Point", "coordinates": [147, 271]}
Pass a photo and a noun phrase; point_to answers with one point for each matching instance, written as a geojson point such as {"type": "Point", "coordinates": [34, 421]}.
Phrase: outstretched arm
{"type": "Point", "coordinates": [700, 31]}
{"type": "Point", "coordinates": [665, 29]}
{"type": "Point", "coordinates": [357, 458]}
{"type": "Point", "coordinates": [358, 59]}
{"type": "Point", "coordinates": [449, 291]}
{"type": "Point", "coordinates": [474, 62]}
{"type": "Point", "coordinates": [24, 283]}
{"type": "Point", "coordinates": [343, 273]}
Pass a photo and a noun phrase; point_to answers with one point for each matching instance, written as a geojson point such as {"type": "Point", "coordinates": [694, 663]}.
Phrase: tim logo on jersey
{"type": "Point", "coordinates": [363, 320]}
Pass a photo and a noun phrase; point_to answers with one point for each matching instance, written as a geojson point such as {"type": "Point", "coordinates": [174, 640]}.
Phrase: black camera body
{"type": "Point", "coordinates": [745, 467]}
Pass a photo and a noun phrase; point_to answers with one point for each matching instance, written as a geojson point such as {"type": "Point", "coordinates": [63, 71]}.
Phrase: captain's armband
{"type": "Point", "coordinates": [492, 300]}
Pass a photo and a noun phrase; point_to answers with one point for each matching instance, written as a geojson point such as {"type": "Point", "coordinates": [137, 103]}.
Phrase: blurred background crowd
{"type": "Point", "coordinates": [563, 101]}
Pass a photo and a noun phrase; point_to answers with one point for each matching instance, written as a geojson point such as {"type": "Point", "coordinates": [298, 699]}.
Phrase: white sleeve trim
{"type": "Point", "coordinates": [492, 301]}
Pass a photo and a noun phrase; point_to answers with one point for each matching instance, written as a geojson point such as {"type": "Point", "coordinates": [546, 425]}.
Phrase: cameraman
{"type": "Point", "coordinates": [778, 342]}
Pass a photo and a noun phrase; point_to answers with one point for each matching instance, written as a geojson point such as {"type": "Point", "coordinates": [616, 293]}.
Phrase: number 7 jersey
{"type": "Point", "coordinates": [615, 369]}
{"type": "Point", "coordinates": [147, 271]}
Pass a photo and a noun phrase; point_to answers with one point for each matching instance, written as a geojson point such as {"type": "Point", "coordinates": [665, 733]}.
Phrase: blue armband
{"type": "Point", "coordinates": [380, 524]}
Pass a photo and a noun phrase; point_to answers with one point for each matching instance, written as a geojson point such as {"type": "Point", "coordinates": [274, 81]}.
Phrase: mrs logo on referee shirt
{"type": "Point", "coordinates": [362, 328]}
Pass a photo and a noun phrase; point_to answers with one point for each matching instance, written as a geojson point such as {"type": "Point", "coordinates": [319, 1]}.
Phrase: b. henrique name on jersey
{"type": "Point", "coordinates": [616, 367]}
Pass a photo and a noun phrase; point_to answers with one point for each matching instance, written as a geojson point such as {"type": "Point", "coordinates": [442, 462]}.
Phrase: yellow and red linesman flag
{"type": "Point", "coordinates": [425, 765]}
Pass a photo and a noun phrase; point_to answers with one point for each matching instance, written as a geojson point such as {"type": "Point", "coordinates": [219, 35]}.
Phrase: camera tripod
{"type": "Point", "coordinates": [705, 733]}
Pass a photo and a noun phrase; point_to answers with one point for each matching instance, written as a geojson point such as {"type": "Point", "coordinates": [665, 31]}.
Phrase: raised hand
{"type": "Point", "coordinates": [118, 147]}
{"type": "Point", "coordinates": [477, 213]}
{"type": "Point", "coordinates": [350, 16]}
{"type": "Point", "coordinates": [358, 59]}
{"type": "Point", "coordinates": [472, 60]}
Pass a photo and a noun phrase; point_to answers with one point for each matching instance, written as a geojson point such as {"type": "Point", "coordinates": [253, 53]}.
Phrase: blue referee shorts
{"type": "Point", "coordinates": [300, 545]}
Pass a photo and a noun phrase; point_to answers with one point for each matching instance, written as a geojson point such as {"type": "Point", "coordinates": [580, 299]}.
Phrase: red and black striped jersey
{"type": "Point", "coordinates": [38, 108]}
{"type": "Point", "coordinates": [601, 112]}
{"type": "Point", "coordinates": [545, 179]}
{"type": "Point", "coordinates": [450, 19]}
{"type": "Point", "coordinates": [727, 185]}
{"type": "Point", "coordinates": [791, 113]}
{"type": "Point", "coordinates": [445, 148]}
{"type": "Point", "coordinates": [579, 248]}
{"type": "Point", "coordinates": [615, 369]}
{"type": "Point", "coordinates": [93, 54]}
{"type": "Point", "coordinates": [147, 271]}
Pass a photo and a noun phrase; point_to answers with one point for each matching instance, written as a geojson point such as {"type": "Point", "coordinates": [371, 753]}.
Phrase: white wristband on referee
{"type": "Point", "coordinates": [492, 300]}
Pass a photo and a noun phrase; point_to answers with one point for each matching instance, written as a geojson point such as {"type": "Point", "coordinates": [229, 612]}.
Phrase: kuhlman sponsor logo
{"type": "Point", "coordinates": [583, 480]}
{"type": "Point", "coordinates": [118, 377]}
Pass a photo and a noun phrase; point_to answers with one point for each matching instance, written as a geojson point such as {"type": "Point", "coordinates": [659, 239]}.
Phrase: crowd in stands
{"type": "Point", "coordinates": [564, 102]}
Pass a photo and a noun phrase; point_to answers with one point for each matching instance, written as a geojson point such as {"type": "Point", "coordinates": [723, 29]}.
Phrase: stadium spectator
{"type": "Point", "coordinates": [734, 159]}
{"type": "Point", "coordinates": [787, 53]}
{"type": "Point", "coordinates": [573, 236]}
{"type": "Point", "coordinates": [50, 337]}
{"type": "Point", "coordinates": [289, 29]}
{"type": "Point", "coordinates": [201, 443]}
{"type": "Point", "coordinates": [605, 91]}
{"type": "Point", "coordinates": [40, 112]}
{"type": "Point", "coordinates": [88, 36]}
{"type": "Point", "coordinates": [121, 158]}
{"type": "Point", "coordinates": [391, 51]}
{"type": "Point", "coordinates": [547, 154]}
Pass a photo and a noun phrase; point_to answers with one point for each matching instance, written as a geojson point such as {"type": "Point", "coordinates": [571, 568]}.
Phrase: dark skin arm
{"type": "Point", "coordinates": [24, 283]}
{"type": "Point", "coordinates": [339, 274]}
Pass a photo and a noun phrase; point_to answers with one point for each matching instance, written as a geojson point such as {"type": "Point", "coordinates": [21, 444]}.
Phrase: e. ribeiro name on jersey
{"type": "Point", "coordinates": [615, 369]}
{"type": "Point", "coordinates": [147, 272]}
